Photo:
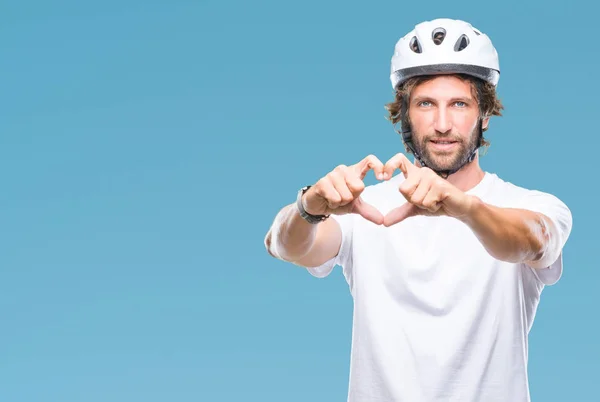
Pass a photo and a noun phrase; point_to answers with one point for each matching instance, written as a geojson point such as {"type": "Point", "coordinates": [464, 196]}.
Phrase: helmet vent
{"type": "Point", "coordinates": [438, 35]}
{"type": "Point", "coordinates": [476, 32]}
{"type": "Point", "coordinates": [461, 43]}
{"type": "Point", "coordinates": [415, 46]}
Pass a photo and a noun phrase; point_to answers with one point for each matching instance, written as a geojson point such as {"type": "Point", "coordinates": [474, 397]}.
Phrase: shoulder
{"type": "Point", "coordinates": [516, 195]}
{"type": "Point", "coordinates": [510, 195]}
{"type": "Point", "coordinates": [504, 189]}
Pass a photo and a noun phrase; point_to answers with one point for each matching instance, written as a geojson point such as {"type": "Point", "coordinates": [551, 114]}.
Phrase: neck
{"type": "Point", "coordinates": [466, 178]}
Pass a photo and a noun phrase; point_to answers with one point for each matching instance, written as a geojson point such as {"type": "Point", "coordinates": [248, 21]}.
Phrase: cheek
{"type": "Point", "coordinates": [465, 123]}
{"type": "Point", "coordinates": [420, 122]}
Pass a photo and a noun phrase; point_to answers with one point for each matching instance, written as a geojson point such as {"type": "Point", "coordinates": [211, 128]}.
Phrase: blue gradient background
{"type": "Point", "coordinates": [146, 146]}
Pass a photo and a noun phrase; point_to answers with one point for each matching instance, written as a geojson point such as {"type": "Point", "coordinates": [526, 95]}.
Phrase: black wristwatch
{"type": "Point", "coordinates": [314, 219]}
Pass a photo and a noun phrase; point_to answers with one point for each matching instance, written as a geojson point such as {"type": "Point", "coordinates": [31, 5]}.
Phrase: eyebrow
{"type": "Point", "coordinates": [465, 99]}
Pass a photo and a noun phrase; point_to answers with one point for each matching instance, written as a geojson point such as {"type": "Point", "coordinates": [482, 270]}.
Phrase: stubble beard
{"type": "Point", "coordinates": [445, 160]}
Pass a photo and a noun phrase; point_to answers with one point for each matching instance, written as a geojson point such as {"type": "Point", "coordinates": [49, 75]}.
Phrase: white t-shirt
{"type": "Point", "coordinates": [436, 318]}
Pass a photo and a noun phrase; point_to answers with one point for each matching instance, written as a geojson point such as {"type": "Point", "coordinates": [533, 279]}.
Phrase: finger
{"type": "Point", "coordinates": [371, 162]}
{"type": "Point", "coordinates": [409, 186]}
{"type": "Point", "coordinates": [420, 192]}
{"type": "Point", "coordinates": [327, 190]}
{"type": "Point", "coordinates": [354, 183]}
{"type": "Point", "coordinates": [431, 202]}
{"type": "Point", "coordinates": [398, 161]}
{"type": "Point", "coordinates": [432, 205]}
{"type": "Point", "coordinates": [399, 214]}
{"type": "Point", "coordinates": [339, 183]}
{"type": "Point", "coordinates": [367, 211]}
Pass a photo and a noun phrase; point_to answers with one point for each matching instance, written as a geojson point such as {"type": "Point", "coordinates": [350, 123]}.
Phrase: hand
{"type": "Point", "coordinates": [426, 193]}
{"type": "Point", "coordinates": [339, 191]}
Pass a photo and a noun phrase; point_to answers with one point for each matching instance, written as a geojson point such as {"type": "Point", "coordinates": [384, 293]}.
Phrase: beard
{"type": "Point", "coordinates": [439, 160]}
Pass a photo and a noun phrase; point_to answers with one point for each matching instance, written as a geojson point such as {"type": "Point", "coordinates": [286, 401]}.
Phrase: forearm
{"type": "Point", "coordinates": [513, 235]}
{"type": "Point", "coordinates": [290, 237]}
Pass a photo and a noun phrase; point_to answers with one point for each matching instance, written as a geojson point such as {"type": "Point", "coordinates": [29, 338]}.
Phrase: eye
{"type": "Point", "coordinates": [424, 103]}
{"type": "Point", "coordinates": [460, 104]}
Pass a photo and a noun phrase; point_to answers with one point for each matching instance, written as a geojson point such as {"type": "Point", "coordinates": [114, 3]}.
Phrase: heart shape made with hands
{"type": "Point", "coordinates": [426, 192]}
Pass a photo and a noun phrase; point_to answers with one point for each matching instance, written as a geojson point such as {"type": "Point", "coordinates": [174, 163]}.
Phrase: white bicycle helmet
{"type": "Point", "coordinates": [444, 46]}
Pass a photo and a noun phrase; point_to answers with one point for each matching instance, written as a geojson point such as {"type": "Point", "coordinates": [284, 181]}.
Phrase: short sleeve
{"type": "Point", "coordinates": [344, 256]}
{"type": "Point", "coordinates": [561, 216]}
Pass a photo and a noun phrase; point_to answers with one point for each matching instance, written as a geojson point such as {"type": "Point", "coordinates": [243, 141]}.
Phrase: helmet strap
{"type": "Point", "coordinates": [407, 131]}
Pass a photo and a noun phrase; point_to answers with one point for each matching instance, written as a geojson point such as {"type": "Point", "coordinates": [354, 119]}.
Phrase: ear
{"type": "Point", "coordinates": [485, 123]}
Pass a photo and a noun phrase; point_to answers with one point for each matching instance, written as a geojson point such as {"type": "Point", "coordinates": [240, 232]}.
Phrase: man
{"type": "Point", "coordinates": [445, 262]}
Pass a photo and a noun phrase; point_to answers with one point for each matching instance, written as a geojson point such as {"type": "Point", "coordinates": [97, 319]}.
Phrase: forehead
{"type": "Point", "coordinates": [443, 86]}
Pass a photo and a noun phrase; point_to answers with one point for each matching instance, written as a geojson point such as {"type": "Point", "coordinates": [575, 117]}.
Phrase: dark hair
{"type": "Point", "coordinates": [489, 104]}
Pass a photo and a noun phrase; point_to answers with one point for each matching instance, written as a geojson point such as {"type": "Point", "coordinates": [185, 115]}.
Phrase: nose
{"type": "Point", "coordinates": [442, 123]}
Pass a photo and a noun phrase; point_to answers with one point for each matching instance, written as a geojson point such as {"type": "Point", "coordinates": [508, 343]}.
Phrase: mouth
{"type": "Point", "coordinates": [444, 145]}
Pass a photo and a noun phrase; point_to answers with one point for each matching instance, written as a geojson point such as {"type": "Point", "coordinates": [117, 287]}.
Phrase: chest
{"type": "Point", "coordinates": [436, 262]}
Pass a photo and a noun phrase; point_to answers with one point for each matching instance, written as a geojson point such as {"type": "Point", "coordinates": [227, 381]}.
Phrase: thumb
{"type": "Point", "coordinates": [367, 211]}
{"type": "Point", "coordinates": [399, 214]}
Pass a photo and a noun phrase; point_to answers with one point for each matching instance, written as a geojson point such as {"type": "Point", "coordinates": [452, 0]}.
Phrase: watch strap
{"type": "Point", "coordinates": [313, 219]}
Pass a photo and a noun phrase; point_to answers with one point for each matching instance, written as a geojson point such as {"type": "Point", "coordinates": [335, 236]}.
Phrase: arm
{"type": "Point", "coordinates": [292, 239]}
{"type": "Point", "coordinates": [514, 235]}
{"type": "Point", "coordinates": [533, 233]}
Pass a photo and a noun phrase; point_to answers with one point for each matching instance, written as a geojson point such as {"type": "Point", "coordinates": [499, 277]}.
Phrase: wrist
{"type": "Point", "coordinates": [306, 205]}
{"type": "Point", "coordinates": [473, 205]}
{"type": "Point", "coordinates": [304, 213]}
